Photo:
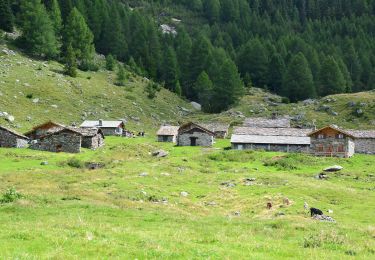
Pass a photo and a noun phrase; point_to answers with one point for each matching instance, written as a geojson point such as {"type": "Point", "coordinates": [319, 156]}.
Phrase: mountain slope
{"type": "Point", "coordinates": [34, 91]}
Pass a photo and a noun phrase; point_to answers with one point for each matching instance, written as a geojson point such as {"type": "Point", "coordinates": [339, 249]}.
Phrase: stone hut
{"type": "Point", "coordinates": [364, 141]}
{"type": "Point", "coordinates": [12, 139]}
{"type": "Point", "coordinates": [65, 140]}
{"type": "Point", "coordinates": [261, 122]}
{"type": "Point", "coordinates": [92, 138]}
{"type": "Point", "coordinates": [332, 141]}
{"type": "Point", "coordinates": [271, 139]}
{"type": "Point", "coordinates": [221, 130]}
{"type": "Point", "coordinates": [44, 129]}
{"type": "Point", "coordinates": [109, 128]}
{"type": "Point", "coordinates": [168, 134]}
{"type": "Point", "coordinates": [192, 134]}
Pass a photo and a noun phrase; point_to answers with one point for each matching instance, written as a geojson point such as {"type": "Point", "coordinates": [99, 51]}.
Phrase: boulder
{"type": "Point", "coordinates": [184, 194]}
{"type": "Point", "coordinates": [324, 218]}
{"type": "Point", "coordinates": [196, 106]}
{"type": "Point", "coordinates": [334, 168]}
{"type": "Point", "coordinates": [160, 153]}
{"type": "Point", "coordinates": [10, 118]}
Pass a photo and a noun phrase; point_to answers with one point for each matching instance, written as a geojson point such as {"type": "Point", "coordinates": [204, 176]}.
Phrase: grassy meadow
{"type": "Point", "coordinates": [132, 208]}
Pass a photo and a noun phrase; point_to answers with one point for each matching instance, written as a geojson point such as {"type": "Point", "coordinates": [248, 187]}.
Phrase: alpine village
{"type": "Point", "coordinates": [187, 129]}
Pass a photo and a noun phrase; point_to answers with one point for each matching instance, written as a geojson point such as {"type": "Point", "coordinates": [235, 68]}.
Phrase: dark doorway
{"type": "Point", "coordinates": [193, 141]}
{"type": "Point", "coordinates": [59, 148]}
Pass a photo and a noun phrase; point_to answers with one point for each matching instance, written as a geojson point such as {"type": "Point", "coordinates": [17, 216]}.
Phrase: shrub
{"type": "Point", "coordinates": [10, 195]}
{"type": "Point", "coordinates": [75, 163]}
{"type": "Point", "coordinates": [29, 96]}
{"type": "Point", "coordinates": [285, 100]}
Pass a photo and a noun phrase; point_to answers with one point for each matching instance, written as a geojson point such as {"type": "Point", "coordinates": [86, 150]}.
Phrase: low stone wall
{"type": "Point", "coordinates": [292, 148]}
{"type": "Point", "coordinates": [167, 138]}
{"type": "Point", "coordinates": [365, 145]}
{"type": "Point", "coordinates": [93, 142]}
{"type": "Point", "coordinates": [202, 139]}
{"type": "Point", "coordinates": [61, 142]}
{"type": "Point", "coordinates": [9, 140]}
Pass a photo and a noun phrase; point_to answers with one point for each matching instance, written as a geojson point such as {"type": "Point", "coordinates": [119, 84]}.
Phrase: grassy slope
{"type": "Point", "coordinates": [254, 105]}
{"type": "Point", "coordinates": [113, 212]}
{"type": "Point", "coordinates": [89, 92]}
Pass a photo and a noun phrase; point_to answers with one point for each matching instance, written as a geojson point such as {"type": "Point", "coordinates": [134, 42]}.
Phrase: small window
{"type": "Point", "coordinates": [340, 136]}
{"type": "Point", "coordinates": [340, 148]}
{"type": "Point", "coordinates": [321, 136]}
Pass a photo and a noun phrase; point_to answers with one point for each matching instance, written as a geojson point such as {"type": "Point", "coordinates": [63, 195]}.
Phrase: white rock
{"type": "Point", "coordinates": [184, 194]}
{"type": "Point", "coordinates": [36, 100]}
{"type": "Point", "coordinates": [334, 168]}
{"type": "Point", "coordinates": [10, 118]}
{"type": "Point", "coordinates": [196, 106]}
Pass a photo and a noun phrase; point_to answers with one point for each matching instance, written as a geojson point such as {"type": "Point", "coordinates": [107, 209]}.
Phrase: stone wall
{"type": "Point", "coordinates": [167, 138]}
{"type": "Point", "coordinates": [10, 140]}
{"type": "Point", "coordinates": [93, 142]}
{"type": "Point", "coordinates": [112, 131]}
{"type": "Point", "coordinates": [60, 142]}
{"type": "Point", "coordinates": [365, 145]}
{"type": "Point", "coordinates": [335, 142]}
{"type": "Point", "coordinates": [292, 148]}
{"type": "Point", "coordinates": [203, 139]}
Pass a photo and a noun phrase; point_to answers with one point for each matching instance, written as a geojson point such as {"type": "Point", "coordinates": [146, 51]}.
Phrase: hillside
{"type": "Point", "coordinates": [34, 91]}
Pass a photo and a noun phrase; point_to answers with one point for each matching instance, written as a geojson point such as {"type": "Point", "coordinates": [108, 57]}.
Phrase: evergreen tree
{"type": "Point", "coordinates": [121, 75]}
{"type": "Point", "coordinates": [6, 16]}
{"type": "Point", "coordinates": [212, 10]}
{"type": "Point", "coordinates": [204, 87]}
{"type": "Point", "coordinates": [183, 52]}
{"type": "Point", "coordinates": [298, 80]}
{"type": "Point", "coordinates": [371, 83]}
{"type": "Point", "coordinates": [110, 62]}
{"type": "Point", "coordinates": [331, 79]}
{"type": "Point", "coordinates": [55, 16]}
{"type": "Point", "coordinates": [70, 68]}
{"type": "Point", "coordinates": [38, 36]}
{"type": "Point", "coordinates": [252, 59]}
{"type": "Point", "coordinates": [78, 35]}
{"type": "Point", "coordinates": [276, 70]}
{"type": "Point", "coordinates": [170, 69]}
{"type": "Point", "coordinates": [178, 89]}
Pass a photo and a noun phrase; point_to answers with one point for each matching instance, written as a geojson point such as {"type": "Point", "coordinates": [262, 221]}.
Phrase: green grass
{"type": "Point", "coordinates": [66, 212]}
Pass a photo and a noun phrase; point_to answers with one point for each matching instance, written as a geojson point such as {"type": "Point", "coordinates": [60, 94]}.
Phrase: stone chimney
{"type": "Point", "coordinates": [100, 122]}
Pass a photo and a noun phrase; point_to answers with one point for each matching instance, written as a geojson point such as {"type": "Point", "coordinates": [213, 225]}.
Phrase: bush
{"type": "Point", "coordinates": [75, 163]}
{"type": "Point", "coordinates": [29, 96]}
{"type": "Point", "coordinates": [10, 195]}
{"type": "Point", "coordinates": [285, 100]}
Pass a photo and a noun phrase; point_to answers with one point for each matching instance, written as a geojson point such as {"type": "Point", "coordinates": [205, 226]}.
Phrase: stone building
{"type": "Point", "coordinates": [168, 134]}
{"type": "Point", "coordinates": [261, 122]}
{"type": "Point", "coordinates": [92, 138]}
{"type": "Point", "coordinates": [109, 128]}
{"type": "Point", "coordinates": [65, 140]}
{"type": "Point", "coordinates": [332, 141]}
{"type": "Point", "coordinates": [364, 141]}
{"type": "Point", "coordinates": [192, 134]}
{"type": "Point", "coordinates": [271, 139]}
{"type": "Point", "coordinates": [12, 139]}
{"type": "Point", "coordinates": [221, 130]}
{"type": "Point", "coordinates": [44, 129]}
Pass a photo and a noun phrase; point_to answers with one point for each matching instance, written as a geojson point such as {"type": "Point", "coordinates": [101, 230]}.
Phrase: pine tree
{"type": "Point", "coordinates": [70, 68]}
{"type": "Point", "coordinates": [276, 70]}
{"type": "Point", "coordinates": [38, 36]}
{"type": "Point", "coordinates": [183, 52]}
{"type": "Point", "coordinates": [6, 16]}
{"type": "Point", "coordinates": [55, 16]}
{"type": "Point", "coordinates": [121, 75]}
{"type": "Point", "coordinates": [110, 62]}
{"type": "Point", "coordinates": [212, 10]}
{"type": "Point", "coordinates": [178, 89]}
{"type": "Point", "coordinates": [371, 83]}
{"type": "Point", "coordinates": [78, 35]}
{"type": "Point", "coordinates": [204, 87]}
{"type": "Point", "coordinates": [298, 82]}
{"type": "Point", "coordinates": [170, 69]}
{"type": "Point", "coordinates": [331, 79]}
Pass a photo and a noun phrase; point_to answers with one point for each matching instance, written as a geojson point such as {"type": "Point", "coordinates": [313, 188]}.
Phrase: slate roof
{"type": "Point", "coordinates": [188, 126]}
{"type": "Point", "coordinates": [215, 127]}
{"type": "Point", "coordinates": [362, 134]}
{"type": "Point", "coordinates": [13, 132]}
{"type": "Point", "coordinates": [57, 128]}
{"type": "Point", "coordinates": [334, 127]}
{"type": "Point", "coordinates": [262, 122]}
{"type": "Point", "coordinates": [105, 124]}
{"type": "Point", "coordinates": [272, 131]}
{"type": "Point", "coordinates": [168, 130]}
{"type": "Point", "coordinates": [270, 139]}
{"type": "Point", "coordinates": [86, 132]}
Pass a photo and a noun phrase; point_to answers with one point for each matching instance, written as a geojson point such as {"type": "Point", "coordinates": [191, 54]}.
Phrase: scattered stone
{"type": "Point", "coordinates": [279, 214]}
{"type": "Point", "coordinates": [308, 102]}
{"type": "Point", "coordinates": [211, 203]}
{"type": "Point", "coordinates": [351, 104]}
{"type": "Point", "coordinates": [184, 194]}
{"type": "Point", "coordinates": [286, 201]}
{"type": "Point", "coordinates": [237, 213]}
{"type": "Point", "coordinates": [196, 106]}
{"type": "Point", "coordinates": [334, 113]}
{"type": "Point", "coordinates": [143, 174]}
{"type": "Point", "coordinates": [334, 168]}
{"type": "Point", "coordinates": [322, 176]}
{"type": "Point", "coordinates": [36, 100]}
{"type": "Point", "coordinates": [330, 211]}
{"type": "Point", "coordinates": [94, 165]}
{"type": "Point", "coordinates": [165, 174]}
{"type": "Point", "coordinates": [359, 112]}
{"type": "Point", "coordinates": [323, 218]}
{"type": "Point", "coordinates": [160, 153]}
{"type": "Point", "coordinates": [10, 118]}
{"type": "Point", "coordinates": [228, 184]}
{"type": "Point", "coordinates": [54, 106]}
{"type": "Point", "coordinates": [27, 85]}
{"type": "Point", "coordinates": [44, 163]}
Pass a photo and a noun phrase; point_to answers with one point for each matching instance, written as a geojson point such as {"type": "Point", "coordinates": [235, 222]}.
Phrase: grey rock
{"type": "Point", "coordinates": [184, 194]}
{"type": "Point", "coordinates": [334, 168]}
{"type": "Point", "coordinates": [160, 153]}
{"type": "Point", "coordinates": [324, 218]}
{"type": "Point", "coordinates": [228, 184]}
{"type": "Point", "coordinates": [10, 118]}
{"type": "Point", "coordinates": [36, 100]}
{"type": "Point", "coordinates": [143, 174]}
{"type": "Point", "coordinates": [196, 106]}
{"type": "Point", "coordinates": [351, 104]}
